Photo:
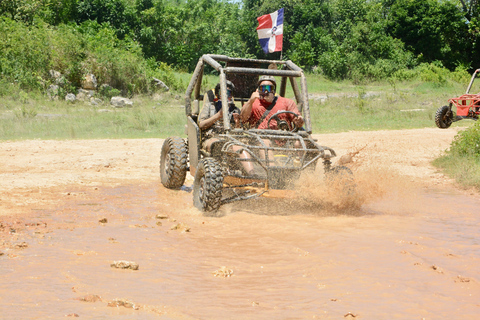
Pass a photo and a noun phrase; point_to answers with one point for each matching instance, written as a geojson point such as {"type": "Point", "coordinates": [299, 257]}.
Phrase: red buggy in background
{"type": "Point", "coordinates": [468, 107]}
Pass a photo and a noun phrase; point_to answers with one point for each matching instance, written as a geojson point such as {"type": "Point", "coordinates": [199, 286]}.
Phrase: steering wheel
{"type": "Point", "coordinates": [282, 124]}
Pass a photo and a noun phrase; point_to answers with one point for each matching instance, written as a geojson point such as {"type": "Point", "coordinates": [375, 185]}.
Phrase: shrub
{"type": "Point", "coordinates": [24, 53]}
{"type": "Point", "coordinates": [467, 142]}
{"type": "Point", "coordinates": [433, 72]}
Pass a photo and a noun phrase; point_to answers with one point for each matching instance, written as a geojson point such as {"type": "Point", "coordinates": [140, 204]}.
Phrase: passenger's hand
{"type": "Point", "coordinates": [298, 121]}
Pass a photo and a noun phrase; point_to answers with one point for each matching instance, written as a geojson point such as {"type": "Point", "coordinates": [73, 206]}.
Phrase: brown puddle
{"type": "Point", "coordinates": [404, 255]}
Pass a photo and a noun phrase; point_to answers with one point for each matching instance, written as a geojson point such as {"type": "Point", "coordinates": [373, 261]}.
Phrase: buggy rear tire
{"type": "Point", "coordinates": [444, 117]}
{"type": "Point", "coordinates": [173, 162]}
{"type": "Point", "coordinates": [207, 186]}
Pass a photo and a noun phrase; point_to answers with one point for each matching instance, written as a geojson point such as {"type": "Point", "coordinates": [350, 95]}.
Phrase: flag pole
{"type": "Point", "coordinates": [281, 51]}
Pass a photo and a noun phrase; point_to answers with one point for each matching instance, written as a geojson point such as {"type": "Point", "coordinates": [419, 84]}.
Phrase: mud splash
{"type": "Point", "coordinates": [405, 253]}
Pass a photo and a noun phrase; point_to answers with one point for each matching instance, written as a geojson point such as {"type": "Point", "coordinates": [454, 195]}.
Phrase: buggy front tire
{"type": "Point", "coordinates": [341, 178]}
{"type": "Point", "coordinates": [173, 162]}
{"type": "Point", "coordinates": [207, 186]}
{"type": "Point", "coordinates": [444, 117]}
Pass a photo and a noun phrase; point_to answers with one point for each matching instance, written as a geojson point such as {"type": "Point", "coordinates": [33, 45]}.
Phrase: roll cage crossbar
{"type": "Point", "coordinates": [286, 70]}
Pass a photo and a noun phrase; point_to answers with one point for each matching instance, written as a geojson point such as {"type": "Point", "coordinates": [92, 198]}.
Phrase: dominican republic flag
{"type": "Point", "coordinates": [270, 31]}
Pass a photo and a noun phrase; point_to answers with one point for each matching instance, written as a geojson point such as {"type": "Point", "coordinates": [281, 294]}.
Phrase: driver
{"type": "Point", "coordinates": [263, 103]}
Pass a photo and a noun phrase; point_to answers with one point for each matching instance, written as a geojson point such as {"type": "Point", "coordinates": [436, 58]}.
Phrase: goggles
{"type": "Point", "coordinates": [267, 88]}
{"type": "Point", "coordinates": [229, 94]}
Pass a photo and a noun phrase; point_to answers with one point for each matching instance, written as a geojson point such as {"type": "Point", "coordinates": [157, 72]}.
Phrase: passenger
{"type": "Point", "coordinates": [210, 120]}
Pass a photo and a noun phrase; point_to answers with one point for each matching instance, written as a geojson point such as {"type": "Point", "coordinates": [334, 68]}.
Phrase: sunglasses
{"type": "Point", "coordinates": [266, 88]}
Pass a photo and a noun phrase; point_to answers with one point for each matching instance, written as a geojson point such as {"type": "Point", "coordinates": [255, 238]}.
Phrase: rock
{"type": "Point", "coordinates": [58, 77]}
{"type": "Point", "coordinates": [54, 74]}
{"type": "Point", "coordinates": [52, 91]}
{"type": "Point", "coordinates": [85, 95]}
{"type": "Point", "coordinates": [181, 227]}
{"type": "Point", "coordinates": [161, 216]}
{"type": "Point", "coordinates": [122, 264]}
{"type": "Point", "coordinates": [96, 101]}
{"type": "Point", "coordinates": [462, 279]}
{"type": "Point", "coordinates": [90, 298]}
{"type": "Point", "coordinates": [70, 97]}
{"type": "Point", "coordinates": [122, 303]}
{"type": "Point", "coordinates": [160, 83]}
{"type": "Point", "coordinates": [436, 268]}
{"type": "Point", "coordinates": [103, 220]}
{"type": "Point", "coordinates": [223, 272]}
{"type": "Point", "coordinates": [22, 245]}
{"type": "Point", "coordinates": [120, 102]}
{"type": "Point", "coordinates": [89, 82]}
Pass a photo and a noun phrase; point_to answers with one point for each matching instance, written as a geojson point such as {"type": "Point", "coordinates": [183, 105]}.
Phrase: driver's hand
{"type": "Point", "coordinates": [255, 95]}
{"type": "Point", "coordinates": [236, 119]}
{"type": "Point", "coordinates": [298, 121]}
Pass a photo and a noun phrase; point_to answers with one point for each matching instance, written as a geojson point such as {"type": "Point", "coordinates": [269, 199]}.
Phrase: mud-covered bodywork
{"type": "Point", "coordinates": [278, 156]}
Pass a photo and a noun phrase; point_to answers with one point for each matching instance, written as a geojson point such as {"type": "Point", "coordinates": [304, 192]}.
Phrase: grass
{"type": "Point", "coordinates": [373, 106]}
{"type": "Point", "coordinates": [465, 170]}
{"type": "Point", "coordinates": [157, 116]}
{"type": "Point", "coordinates": [462, 160]}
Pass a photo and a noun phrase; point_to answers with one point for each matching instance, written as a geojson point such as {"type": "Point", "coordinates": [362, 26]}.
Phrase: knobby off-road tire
{"type": "Point", "coordinates": [341, 178]}
{"type": "Point", "coordinates": [443, 118]}
{"type": "Point", "coordinates": [207, 186]}
{"type": "Point", "coordinates": [173, 162]}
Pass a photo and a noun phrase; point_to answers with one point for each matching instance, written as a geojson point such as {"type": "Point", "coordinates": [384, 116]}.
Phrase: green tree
{"type": "Point", "coordinates": [21, 10]}
{"type": "Point", "coordinates": [56, 12]}
{"type": "Point", "coordinates": [432, 30]}
{"type": "Point", "coordinates": [117, 13]}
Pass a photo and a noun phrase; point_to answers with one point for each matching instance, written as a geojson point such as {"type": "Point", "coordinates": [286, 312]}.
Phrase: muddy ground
{"type": "Point", "coordinates": [71, 210]}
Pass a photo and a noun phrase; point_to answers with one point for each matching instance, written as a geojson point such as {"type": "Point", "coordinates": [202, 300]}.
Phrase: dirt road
{"type": "Point", "coordinates": [71, 209]}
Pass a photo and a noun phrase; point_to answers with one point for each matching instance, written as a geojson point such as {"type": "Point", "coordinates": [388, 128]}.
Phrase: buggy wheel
{"type": "Point", "coordinates": [341, 178]}
{"type": "Point", "coordinates": [173, 163]}
{"type": "Point", "coordinates": [444, 117]}
{"type": "Point", "coordinates": [207, 186]}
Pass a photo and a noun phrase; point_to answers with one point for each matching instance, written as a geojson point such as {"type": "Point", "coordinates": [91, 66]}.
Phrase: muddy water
{"type": "Point", "coordinates": [413, 255]}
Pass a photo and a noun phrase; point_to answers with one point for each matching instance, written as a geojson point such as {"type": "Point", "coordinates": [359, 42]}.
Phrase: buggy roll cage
{"type": "Point", "coordinates": [286, 70]}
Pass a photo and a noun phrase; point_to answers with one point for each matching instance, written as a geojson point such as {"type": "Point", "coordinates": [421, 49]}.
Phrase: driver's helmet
{"type": "Point", "coordinates": [267, 78]}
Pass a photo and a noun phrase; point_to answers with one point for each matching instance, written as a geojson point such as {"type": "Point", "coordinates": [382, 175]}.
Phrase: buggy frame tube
{"type": "Point", "coordinates": [223, 94]}
{"type": "Point", "coordinates": [193, 82]}
{"type": "Point", "coordinates": [471, 81]}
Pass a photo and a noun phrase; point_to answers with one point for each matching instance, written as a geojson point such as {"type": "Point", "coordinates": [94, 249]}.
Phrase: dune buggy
{"type": "Point", "coordinates": [219, 176]}
{"type": "Point", "coordinates": [467, 105]}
